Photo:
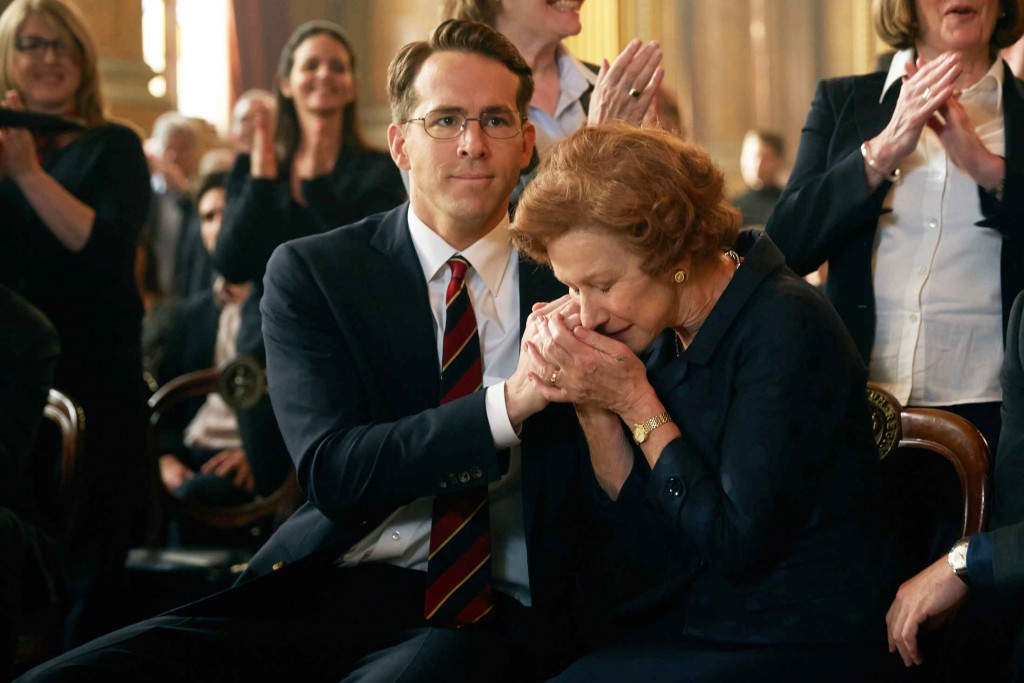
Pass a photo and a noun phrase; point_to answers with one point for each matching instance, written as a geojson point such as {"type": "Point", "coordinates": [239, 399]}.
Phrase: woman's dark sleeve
{"type": "Point", "coordinates": [252, 226]}
{"type": "Point", "coordinates": [826, 199]}
{"type": "Point", "coordinates": [365, 184]}
{"type": "Point", "coordinates": [786, 420]}
{"type": "Point", "coordinates": [113, 180]}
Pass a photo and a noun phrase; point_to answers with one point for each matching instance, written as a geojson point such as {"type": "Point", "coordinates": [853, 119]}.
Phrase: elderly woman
{"type": "Point", "coordinates": [724, 410]}
{"type": "Point", "coordinates": [71, 208]}
{"type": "Point", "coordinates": [911, 185]}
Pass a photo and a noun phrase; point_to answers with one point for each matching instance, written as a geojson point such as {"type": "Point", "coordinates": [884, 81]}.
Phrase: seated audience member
{"type": "Point", "coordinates": [312, 174]}
{"type": "Point", "coordinates": [250, 105]}
{"type": "Point", "coordinates": [71, 207]}
{"type": "Point", "coordinates": [986, 569]}
{"type": "Point", "coordinates": [205, 460]}
{"type": "Point", "coordinates": [173, 154]}
{"type": "Point", "coordinates": [432, 503]}
{"type": "Point", "coordinates": [761, 166]}
{"type": "Point", "coordinates": [28, 356]}
{"type": "Point", "coordinates": [723, 405]}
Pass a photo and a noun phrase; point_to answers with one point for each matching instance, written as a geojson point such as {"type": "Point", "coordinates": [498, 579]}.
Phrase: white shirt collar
{"type": "Point", "coordinates": [897, 70]}
{"type": "Point", "coordinates": [573, 75]}
{"type": "Point", "coordinates": [489, 255]}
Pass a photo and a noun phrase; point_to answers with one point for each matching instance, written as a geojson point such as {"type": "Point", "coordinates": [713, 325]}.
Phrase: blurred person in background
{"type": "Point", "coordinates": [73, 205]}
{"type": "Point", "coordinates": [761, 161]}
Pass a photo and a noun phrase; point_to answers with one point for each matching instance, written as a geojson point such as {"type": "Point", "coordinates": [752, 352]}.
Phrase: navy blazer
{"type": "Point", "coordinates": [760, 519]}
{"type": "Point", "coordinates": [826, 214]}
{"type": "Point", "coordinates": [355, 382]}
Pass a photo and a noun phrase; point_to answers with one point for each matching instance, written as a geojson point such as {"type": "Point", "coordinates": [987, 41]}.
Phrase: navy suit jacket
{"type": "Point", "coordinates": [826, 214]}
{"type": "Point", "coordinates": [355, 382]}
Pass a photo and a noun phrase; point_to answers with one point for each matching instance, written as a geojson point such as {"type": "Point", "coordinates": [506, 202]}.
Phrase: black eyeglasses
{"type": "Point", "coordinates": [36, 47]}
{"type": "Point", "coordinates": [500, 124]}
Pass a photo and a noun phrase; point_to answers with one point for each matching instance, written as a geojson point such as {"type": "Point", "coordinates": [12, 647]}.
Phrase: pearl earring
{"type": "Point", "coordinates": [679, 276]}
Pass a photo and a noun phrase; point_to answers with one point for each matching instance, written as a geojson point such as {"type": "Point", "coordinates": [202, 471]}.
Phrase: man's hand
{"type": "Point", "coordinates": [231, 462]}
{"type": "Point", "coordinates": [173, 472]}
{"type": "Point", "coordinates": [926, 599]}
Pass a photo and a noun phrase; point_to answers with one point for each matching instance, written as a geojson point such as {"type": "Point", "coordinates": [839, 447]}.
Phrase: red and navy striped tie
{"type": "Point", "coordinates": [459, 568]}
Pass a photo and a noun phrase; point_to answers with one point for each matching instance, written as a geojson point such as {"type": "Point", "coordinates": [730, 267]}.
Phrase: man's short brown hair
{"type": "Point", "coordinates": [454, 36]}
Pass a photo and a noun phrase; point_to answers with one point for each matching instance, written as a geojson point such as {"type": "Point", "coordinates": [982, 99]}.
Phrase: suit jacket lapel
{"type": "Point", "coordinates": [1013, 116]}
{"type": "Point", "coordinates": [870, 115]}
{"type": "Point", "coordinates": [406, 338]}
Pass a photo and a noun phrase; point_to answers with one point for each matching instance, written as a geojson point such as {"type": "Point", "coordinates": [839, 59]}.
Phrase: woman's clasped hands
{"type": "Point", "coordinates": [573, 364]}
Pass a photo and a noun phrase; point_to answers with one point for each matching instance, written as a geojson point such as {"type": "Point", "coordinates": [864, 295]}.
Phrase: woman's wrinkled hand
{"type": "Point", "coordinates": [264, 163]}
{"type": "Point", "coordinates": [636, 68]}
{"type": "Point", "coordinates": [588, 368]}
{"type": "Point", "coordinates": [926, 89]}
{"type": "Point", "coordinates": [17, 146]}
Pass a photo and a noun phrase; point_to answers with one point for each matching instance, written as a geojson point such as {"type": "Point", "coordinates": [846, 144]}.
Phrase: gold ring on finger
{"type": "Point", "coordinates": [633, 92]}
{"type": "Point", "coordinates": [554, 377]}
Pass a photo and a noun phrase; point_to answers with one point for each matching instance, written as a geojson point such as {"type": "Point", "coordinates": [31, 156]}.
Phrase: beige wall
{"type": "Point", "coordinates": [735, 64]}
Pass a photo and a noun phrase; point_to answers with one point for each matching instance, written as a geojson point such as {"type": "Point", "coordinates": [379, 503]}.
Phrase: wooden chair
{"type": "Point", "coordinates": [898, 429]}
{"type": "Point", "coordinates": [241, 383]}
{"type": "Point", "coordinates": [55, 461]}
{"type": "Point", "coordinates": [182, 574]}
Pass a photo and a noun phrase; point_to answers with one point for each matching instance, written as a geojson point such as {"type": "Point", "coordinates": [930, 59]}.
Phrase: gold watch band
{"type": "Point", "coordinates": [641, 430]}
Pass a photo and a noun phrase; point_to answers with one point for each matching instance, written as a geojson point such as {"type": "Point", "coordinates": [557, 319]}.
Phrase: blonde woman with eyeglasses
{"type": "Point", "coordinates": [73, 202]}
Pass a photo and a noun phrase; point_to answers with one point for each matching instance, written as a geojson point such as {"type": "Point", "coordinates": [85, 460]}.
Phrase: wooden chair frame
{"type": "Point", "coordinates": [241, 382]}
{"type": "Point", "coordinates": [941, 432]}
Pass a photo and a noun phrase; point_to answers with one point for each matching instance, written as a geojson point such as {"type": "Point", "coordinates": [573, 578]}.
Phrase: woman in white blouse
{"type": "Point", "coordinates": [911, 185]}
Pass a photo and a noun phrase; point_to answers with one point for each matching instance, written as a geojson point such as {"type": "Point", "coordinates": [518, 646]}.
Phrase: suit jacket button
{"type": "Point", "coordinates": [277, 565]}
{"type": "Point", "coordinates": [452, 479]}
{"type": "Point", "coordinates": [464, 477]}
{"type": "Point", "coordinates": [676, 486]}
{"type": "Point", "coordinates": [476, 473]}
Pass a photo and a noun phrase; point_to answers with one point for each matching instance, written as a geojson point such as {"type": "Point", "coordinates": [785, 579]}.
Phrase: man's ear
{"type": "Point", "coordinates": [396, 144]}
{"type": "Point", "coordinates": [529, 138]}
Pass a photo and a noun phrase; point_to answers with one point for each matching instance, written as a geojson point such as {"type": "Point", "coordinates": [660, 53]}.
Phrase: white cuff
{"type": "Point", "coordinates": [497, 417]}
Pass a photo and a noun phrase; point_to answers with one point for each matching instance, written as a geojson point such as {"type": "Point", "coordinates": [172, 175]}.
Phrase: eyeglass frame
{"type": "Point", "coordinates": [36, 47]}
{"type": "Point", "coordinates": [465, 121]}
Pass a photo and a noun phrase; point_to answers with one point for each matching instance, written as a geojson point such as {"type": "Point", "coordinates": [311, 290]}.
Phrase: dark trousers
{"type": "Point", "coordinates": [307, 622]}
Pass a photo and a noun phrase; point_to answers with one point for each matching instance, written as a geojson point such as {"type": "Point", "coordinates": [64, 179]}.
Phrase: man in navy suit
{"type": "Point", "coordinates": [354, 321]}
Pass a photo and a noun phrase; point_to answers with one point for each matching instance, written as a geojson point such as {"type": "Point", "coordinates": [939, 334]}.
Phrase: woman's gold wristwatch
{"type": "Point", "coordinates": [640, 431]}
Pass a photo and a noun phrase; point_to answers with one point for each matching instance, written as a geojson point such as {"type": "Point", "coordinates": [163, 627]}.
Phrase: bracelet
{"type": "Point", "coordinates": [891, 177]}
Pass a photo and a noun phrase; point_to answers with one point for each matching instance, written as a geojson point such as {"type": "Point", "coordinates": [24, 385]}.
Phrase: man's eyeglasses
{"type": "Point", "coordinates": [36, 47]}
{"type": "Point", "coordinates": [445, 125]}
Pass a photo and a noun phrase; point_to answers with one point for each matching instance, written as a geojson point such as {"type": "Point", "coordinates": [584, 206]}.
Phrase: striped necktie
{"type": "Point", "coordinates": [459, 568]}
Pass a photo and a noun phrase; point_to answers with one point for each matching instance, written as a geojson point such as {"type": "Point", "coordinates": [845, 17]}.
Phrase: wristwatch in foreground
{"type": "Point", "coordinates": [640, 431]}
{"type": "Point", "coordinates": [957, 558]}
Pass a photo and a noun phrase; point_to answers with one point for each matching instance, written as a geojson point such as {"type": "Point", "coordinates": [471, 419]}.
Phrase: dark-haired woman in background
{"type": "Point", "coordinates": [316, 173]}
{"type": "Point", "coordinates": [72, 205]}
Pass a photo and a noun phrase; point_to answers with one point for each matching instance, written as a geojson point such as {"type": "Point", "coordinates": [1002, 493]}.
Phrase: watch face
{"type": "Point", "coordinates": [639, 433]}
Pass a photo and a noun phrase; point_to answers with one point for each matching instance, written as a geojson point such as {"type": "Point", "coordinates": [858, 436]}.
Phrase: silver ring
{"type": "Point", "coordinates": [554, 377]}
{"type": "Point", "coordinates": [633, 92]}
{"type": "Point", "coordinates": [926, 94]}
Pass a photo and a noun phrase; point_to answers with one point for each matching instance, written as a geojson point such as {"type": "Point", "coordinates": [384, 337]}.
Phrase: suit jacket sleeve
{"type": "Point", "coordinates": [351, 451]}
{"type": "Point", "coordinates": [826, 201]}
